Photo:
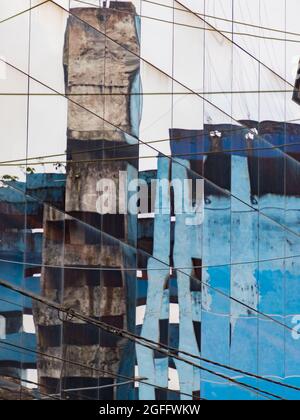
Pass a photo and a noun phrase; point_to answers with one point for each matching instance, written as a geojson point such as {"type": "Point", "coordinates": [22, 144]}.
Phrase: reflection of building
{"type": "Point", "coordinates": [197, 287]}
{"type": "Point", "coordinates": [21, 225]}
{"type": "Point", "coordinates": [242, 254]}
{"type": "Point", "coordinates": [234, 236]}
{"type": "Point", "coordinates": [101, 75]}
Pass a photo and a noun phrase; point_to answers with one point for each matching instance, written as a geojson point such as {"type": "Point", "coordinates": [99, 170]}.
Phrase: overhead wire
{"type": "Point", "coordinates": [88, 367]}
{"type": "Point", "coordinates": [94, 369]}
{"type": "Point", "coordinates": [170, 158]}
{"type": "Point", "coordinates": [11, 303]}
{"type": "Point", "coordinates": [44, 386]}
{"type": "Point", "coordinates": [94, 388]}
{"type": "Point", "coordinates": [194, 93]}
{"type": "Point", "coordinates": [152, 93]}
{"type": "Point", "coordinates": [211, 287]}
{"type": "Point", "coordinates": [28, 108]}
{"type": "Point", "coordinates": [205, 15]}
{"type": "Point", "coordinates": [52, 397]}
{"type": "Point", "coordinates": [254, 310]}
{"type": "Point", "coordinates": [207, 29]}
{"type": "Point", "coordinates": [23, 11]}
{"type": "Point", "coordinates": [179, 9]}
{"type": "Point", "coordinates": [133, 337]}
{"type": "Point", "coordinates": [227, 367]}
{"type": "Point", "coordinates": [145, 339]}
{"type": "Point", "coordinates": [123, 269]}
{"type": "Point", "coordinates": [135, 157]}
{"type": "Point", "coordinates": [179, 138]}
{"type": "Point", "coordinates": [227, 296]}
{"type": "Point", "coordinates": [159, 20]}
{"type": "Point", "coordinates": [231, 41]}
{"type": "Point", "coordinates": [18, 346]}
{"type": "Point", "coordinates": [180, 83]}
{"type": "Point", "coordinates": [224, 191]}
{"type": "Point", "coordinates": [129, 269]}
{"type": "Point", "coordinates": [162, 71]}
{"type": "Point", "coordinates": [14, 392]}
{"type": "Point", "coordinates": [37, 384]}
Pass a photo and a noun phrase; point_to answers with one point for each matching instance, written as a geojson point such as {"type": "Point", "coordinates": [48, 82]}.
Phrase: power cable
{"type": "Point", "coordinates": [130, 158]}
{"type": "Point", "coordinates": [102, 371]}
{"type": "Point", "coordinates": [45, 301]}
{"type": "Point", "coordinates": [187, 11]}
{"type": "Point", "coordinates": [153, 93]}
{"type": "Point", "coordinates": [210, 17]}
{"type": "Point", "coordinates": [181, 138]}
{"type": "Point", "coordinates": [217, 290]}
{"type": "Point", "coordinates": [52, 397]}
{"type": "Point", "coordinates": [166, 6]}
{"type": "Point", "coordinates": [23, 11]}
{"type": "Point", "coordinates": [231, 41]}
{"type": "Point", "coordinates": [194, 356]}
{"type": "Point", "coordinates": [243, 372]}
{"type": "Point", "coordinates": [222, 190]}
{"type": "Point", "coordinates": [11, 303]}
{"type": "Point", "coordinates": [27, 381]}
{"type": "Point", "coordinates": [6, 389]}
{"type": "Point", "coordinates": [192, 277]}
{"type": "Point", "coordinates": [45, 387]}
{"type": "Point", "coordinates": [164, 73]}
{"type": "Point", "coordinates": [140, 141]}
{"type": "Point", "coordinates": [94, 388]}
{"type": "Point", "coordinates": [204, 15]}
{"type": "Point", "coordinates": [127, 335]}
{"type": "Point", "coordinates": [206, 100]}
{"type": "Point", "coordinates": [122, 269]}
{"type": "Point", "coordinates": [167, 75]}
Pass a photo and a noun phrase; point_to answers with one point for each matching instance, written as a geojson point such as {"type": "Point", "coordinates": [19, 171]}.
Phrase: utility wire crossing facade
{"type": "Point", "coordinates": [150, 200]}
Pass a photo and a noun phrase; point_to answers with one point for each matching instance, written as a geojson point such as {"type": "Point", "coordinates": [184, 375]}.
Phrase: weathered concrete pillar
{"type": "Point", "coordinates": [101, 76]}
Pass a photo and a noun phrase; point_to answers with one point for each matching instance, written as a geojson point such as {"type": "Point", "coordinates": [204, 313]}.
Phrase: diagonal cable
{"type": "Point", "coordinates": [130, 336]}
{"type": "Point", "coordinates": [146, 144]}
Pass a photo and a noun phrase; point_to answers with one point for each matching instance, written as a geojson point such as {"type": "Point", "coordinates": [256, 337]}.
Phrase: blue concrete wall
{"type": "Point", "coordinates": [19, 248]}
{"type": "Point", "coordinates": [246, 253]}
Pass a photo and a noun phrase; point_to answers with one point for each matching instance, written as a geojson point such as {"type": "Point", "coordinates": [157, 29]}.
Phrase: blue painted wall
{"type": "Point", "coordinates": [21, 257]}
{"type": "Point", "coordinates": [246, 252]}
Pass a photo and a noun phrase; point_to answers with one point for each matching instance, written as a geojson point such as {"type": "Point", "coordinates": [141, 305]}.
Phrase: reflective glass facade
{"type": "Point", "coordinates": [149, 200]}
